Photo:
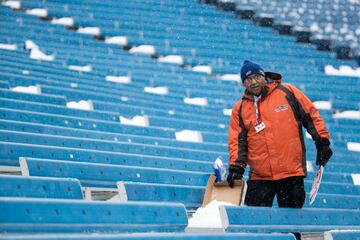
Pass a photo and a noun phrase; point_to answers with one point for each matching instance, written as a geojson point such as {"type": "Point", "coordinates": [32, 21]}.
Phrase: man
{"type": "Point", "coordinates": [265, 133]}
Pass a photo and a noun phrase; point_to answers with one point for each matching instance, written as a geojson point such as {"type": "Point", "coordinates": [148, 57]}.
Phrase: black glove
{"type": "Point", "coordinates": [324, 152]}
{"type": "Point", "coordinates": [235, 173]}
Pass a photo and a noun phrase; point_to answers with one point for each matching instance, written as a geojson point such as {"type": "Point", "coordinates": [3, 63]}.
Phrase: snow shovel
{"type": "Point", "coordinates": [221, 191]}
{"type": "Point", "coordinates": [316, 185]}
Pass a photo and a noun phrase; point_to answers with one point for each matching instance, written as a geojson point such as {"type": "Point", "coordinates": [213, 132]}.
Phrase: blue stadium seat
{"type": "Point", "coordinates": [39, 187]}
{"type": "Point", "coordinates": [21, 215]}
{"type": "Point", "coordinates": [190, 196]}
{"type": "Point", "coordinates": [10, 153]}
{"type": "Point", "coordinates": [154, 236]}
{"type": "Point", "coordinates": [54, 99]}
{"type": "Point", "coordinates": [101, 135]}
{"type": "Point", "coordinates": [260, 219]}
{"type": "Point", "coordinates": [106, 175]}
{"type": "Point", "coordinates": [110, 146]}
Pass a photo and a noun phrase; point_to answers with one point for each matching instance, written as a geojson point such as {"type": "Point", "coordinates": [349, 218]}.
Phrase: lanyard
{"type": "Point", "coordinates": [257, 109]}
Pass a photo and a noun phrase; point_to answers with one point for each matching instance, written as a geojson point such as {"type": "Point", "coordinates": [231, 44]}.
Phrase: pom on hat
{"type": "Point", "coordinates": [250, 68]}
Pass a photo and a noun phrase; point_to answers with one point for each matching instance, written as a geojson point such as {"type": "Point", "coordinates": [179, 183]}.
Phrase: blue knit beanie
{"type": "Point", "coordinates": [250, 68]}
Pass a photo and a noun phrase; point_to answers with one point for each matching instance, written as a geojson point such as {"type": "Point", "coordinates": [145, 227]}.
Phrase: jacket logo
{"type": "Point", "coordinates": [281, 108]}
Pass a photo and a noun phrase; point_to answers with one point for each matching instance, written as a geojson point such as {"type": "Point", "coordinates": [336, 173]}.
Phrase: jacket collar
{"type": "Point", "coordinates": [273, 80]}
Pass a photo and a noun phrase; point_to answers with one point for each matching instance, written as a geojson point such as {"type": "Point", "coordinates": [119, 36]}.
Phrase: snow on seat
{"type": "Point", "coordinates": [189, 136]}
{"type": "Point", "coordinates": [118, 79]}
{"type": "Point", "coordinates": [6, 46]}
{"type": "Point", "coordinates": [203, 69]}
{"type": "Point", "coordinates": [84, 68]}
{"type": "Point", "coordinates": [118, 40]}
{"type": "Point", "coordinates": [342, 235]}
{"type": "Point", "coordinates": [89, 30]}
{"type": "Point", "coordinates": [143, 49]}
{"type": "Point", "coordinates": [140, 121]}
{"type": "Point", "coordinates": [157, 90]}
{"type": "Point", "coordinates": [342, 71]}
{"type": "Point", "coordinates": [40, 12]}
{"type": "Point", "coordinates": [353, 146]}
{"type": "Point", "coordinates": [199, 101]}
{"type": "Point", "coordinates": [82, 104]}
{"type": "Point", "coordinates": [175, 59]}
{"type": "Point", "coordinates": [66, 21]}
{"type": "Point", "coordinates": [12, 4]}
{"type": "Point", "coordinates": [30, 89]}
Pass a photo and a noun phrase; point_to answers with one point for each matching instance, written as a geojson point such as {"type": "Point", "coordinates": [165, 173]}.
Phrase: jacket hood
{"type": "Point", "coordinates": [272, 76]}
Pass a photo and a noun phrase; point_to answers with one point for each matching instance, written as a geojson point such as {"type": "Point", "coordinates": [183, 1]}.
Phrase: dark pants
{"type": "Point", "coordinates": [290, 192]}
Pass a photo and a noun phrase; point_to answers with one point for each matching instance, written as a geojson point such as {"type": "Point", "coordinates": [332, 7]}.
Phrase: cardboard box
{"type": "Point", "coordinates": [222, 192]}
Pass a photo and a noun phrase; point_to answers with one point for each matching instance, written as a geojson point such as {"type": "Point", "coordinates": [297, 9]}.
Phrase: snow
{"type": "Point", "coordinates": [124, 99]}
{"type": "Point", "coordinates": [208, 217]}
{"type": "Point", "coordinates": [25, 72]}
{"type": "Point", "coordinates": [196, 101]}
{"type": "Point", "coordinates": [309, 166]}
{"type": "Point", "coordinates": [202, 68]}
{"type": "Point", "coordinates": [342, 71]}
{"type": "Point", "coordinates": [323, 105]}
{"type": "Point", "coordinates": [227, 112]}
{"type": "Point", "coordinates": [347, 114]}
{"type": "Point", "coordinates": [157, 90]}
{"type": "Point", "coordinates": [265, 15]}
{"type": "Point", "coordinates": [140, 121]}
{"type": "Point", "coordinates": [119, 40]}
{"type": "Point", "coordinates": [308, 136]}
{"type": "Point", "coordinates": [354, 1]}
{"type": "Point", "coordinates": [231, 77]}
{"type": "Point", "coordinates": [40, 12]}
{"type": "Point", "coordinates": [115, 198]}
{"type": "Point", "coordinates": [189, 136]}
{"type": "Point", "coordinates": [82, 104]}
{"type": "Point", "coordinates": [175, 59]}
{"type": "Point", "coordinates": [36, 89]}
{"type": "Point", "coordinates": [300, 28]}
{"type": "Point", "coordinates": [89, 30]}
{"type": "Point", "coordinates": [30, 45]}
{"type": "Point", "coordinates": [353, 146]}
{"type": "Point", "coordinates": [143, 49]}
{"type": "Point", "coordinates": [118, 79]}
{"type": "Point", "coordinates": [39, 55]}
{"type": "Point", "coordinates": [74, 85]}
{"type": "Point", "coordinates": [12, 4]}
{"type": "Point", "coordinates": [356, 178]}
{"type": "Point", "coordinates": [86, 68]}
{"type": "Point", "coordinates": [66, 21]}
{"type": "Point", "coordinates": [5, 46]}
{"type": "Point", "coordinates": [36, 53]}
{"type": "Point", "coordinates": [314, 27]}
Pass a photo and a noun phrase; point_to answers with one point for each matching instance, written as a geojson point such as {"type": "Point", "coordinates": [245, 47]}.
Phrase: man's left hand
{"type": "Point", "coordinates": [324, 152]}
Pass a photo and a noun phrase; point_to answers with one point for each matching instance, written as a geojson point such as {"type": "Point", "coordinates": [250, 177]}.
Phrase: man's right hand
{"type": "Point", "coordinates": [235, 173]}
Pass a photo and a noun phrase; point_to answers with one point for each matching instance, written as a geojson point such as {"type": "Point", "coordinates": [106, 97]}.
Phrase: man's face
{"type": "Point", "coordinates": [255, 83]}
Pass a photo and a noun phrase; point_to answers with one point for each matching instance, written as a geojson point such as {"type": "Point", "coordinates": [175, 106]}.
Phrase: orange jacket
{"type": "Point", "coordinates": [278, 151]}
